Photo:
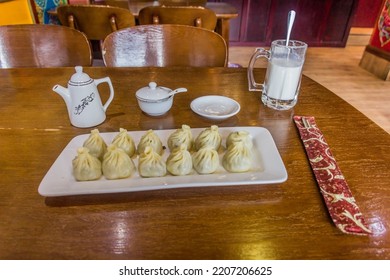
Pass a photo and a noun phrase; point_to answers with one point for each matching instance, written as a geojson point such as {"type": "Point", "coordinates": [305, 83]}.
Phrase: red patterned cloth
{"type": "Point", "coordinates": [333, 186]}
{"type": "Point", "coordinates": [380, 37]}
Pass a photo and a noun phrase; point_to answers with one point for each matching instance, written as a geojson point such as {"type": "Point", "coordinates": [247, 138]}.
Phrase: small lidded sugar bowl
{"type": "Point", "coordinates": [156, 100]}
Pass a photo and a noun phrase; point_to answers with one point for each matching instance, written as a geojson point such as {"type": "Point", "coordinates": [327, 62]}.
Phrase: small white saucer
{"type": "Point", "coordinates": [215, 107]}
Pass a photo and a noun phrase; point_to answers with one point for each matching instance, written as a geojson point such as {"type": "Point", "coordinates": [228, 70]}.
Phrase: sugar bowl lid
{"type": "Point", "coordinates": [152, 92]}
{"type": "Point", "coordinates": [80, 78]}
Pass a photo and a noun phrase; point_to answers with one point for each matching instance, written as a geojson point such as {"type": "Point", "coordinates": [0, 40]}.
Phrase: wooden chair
{"type": "Point", "coordinates": [193, 16]}
{"type": "Point", "coordinates": [39, 45]}
{"type": "Point", "coordinates": [164, 45]}
{"type": "Point", "coordinates": [96, 21]}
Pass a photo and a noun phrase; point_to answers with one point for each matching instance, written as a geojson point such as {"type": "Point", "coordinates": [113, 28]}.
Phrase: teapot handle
{"type": "Point", "coordinates": [111, 97]}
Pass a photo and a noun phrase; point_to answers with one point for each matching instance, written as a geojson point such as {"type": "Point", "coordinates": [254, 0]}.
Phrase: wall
{"type": "Point", "coordinates": [366, 13]}
{"type": "Point", "coordinates": [318, 23]}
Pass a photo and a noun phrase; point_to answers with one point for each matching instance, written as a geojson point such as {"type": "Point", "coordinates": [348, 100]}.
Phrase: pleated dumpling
{"type": "Point", "coordinates": [95, 144]}
{"type": "Point", "coordinates": [240, 135]}
{"type": "Point", "coordinates": [205, 160]}
{"type": "Point", "coordinates": [151, 164]}
{"type": "Point", "coordinates": [182, 135]}
{"type": "Point", "coordinates": [150, 138]}
{"type": "Point", "coordinates": [125, 142]}
{"type": "Point", "coordinates": [179, 161]}
{"type": "Point", "coordinates": [209, 137]}
{"type": "Point", "coordinates": [85, 166]}
{"type": "Point", "coordinates": [238, 157]}
{"type": "Point", "coordinates": [117, 164]}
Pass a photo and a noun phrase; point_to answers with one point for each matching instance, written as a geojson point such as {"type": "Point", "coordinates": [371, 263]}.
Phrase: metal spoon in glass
{"type": "Point", "coordinates": [290, 22]}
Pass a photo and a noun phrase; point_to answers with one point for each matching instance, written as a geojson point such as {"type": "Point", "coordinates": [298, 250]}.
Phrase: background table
{"type": "Point", "coordinates": [276, 221]}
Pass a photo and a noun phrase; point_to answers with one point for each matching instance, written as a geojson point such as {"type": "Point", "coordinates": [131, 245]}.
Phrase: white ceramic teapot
{"type": "Point", "coordinates": [82, 99]}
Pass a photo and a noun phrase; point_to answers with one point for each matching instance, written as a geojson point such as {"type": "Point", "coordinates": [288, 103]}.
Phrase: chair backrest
{"type": "Point", "coordinates": [96, 21]}
{"type": "Point", "coordinates": [193, 16]}
{"type": "Point", "coordinates": [43, 45]}
{"type": "Point", "coordinates": [164, 45]}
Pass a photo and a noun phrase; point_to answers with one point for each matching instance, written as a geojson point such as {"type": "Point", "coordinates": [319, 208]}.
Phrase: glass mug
{"type": "Point", "coordinates": [284, 70]}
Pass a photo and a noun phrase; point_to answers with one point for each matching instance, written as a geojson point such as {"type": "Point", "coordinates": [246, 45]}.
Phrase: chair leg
{"type": "Point", "coordinates": [198, 22]}
{"type": "Point", "coordinates": [71, 21]}
{"type": "Point", "coordinates": [113, 24]}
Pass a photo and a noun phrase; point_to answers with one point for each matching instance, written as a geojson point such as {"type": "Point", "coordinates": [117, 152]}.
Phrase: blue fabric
{"type": "Point", "coordinates": [43, 6]}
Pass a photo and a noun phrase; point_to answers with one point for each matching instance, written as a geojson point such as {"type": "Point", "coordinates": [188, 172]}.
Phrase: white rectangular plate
{"type": "Point", "coordinates": [267, 168]}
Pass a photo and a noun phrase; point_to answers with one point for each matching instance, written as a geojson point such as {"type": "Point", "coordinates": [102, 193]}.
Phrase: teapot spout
{"type": "Point", "coordinates": [64, 92]}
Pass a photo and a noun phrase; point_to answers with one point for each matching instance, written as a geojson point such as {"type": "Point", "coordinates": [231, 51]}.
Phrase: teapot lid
{"type": "Point", "coordinates": [152, 92]}
{"type": "Point", "coordinates": [80, 78]}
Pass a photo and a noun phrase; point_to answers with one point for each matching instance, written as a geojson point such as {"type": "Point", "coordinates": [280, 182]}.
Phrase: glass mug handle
{"type": "Point", "coordinates": [259, 52]}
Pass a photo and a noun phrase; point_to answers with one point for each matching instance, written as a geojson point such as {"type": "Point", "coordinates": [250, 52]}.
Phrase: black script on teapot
{"type": "Point", "coordinates": [84, 103]}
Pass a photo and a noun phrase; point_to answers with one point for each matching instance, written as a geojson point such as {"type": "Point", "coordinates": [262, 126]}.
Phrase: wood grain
{"type": "Point", "coordinates": [187, 15]}
{"type": "Point", "coordinates": [281, 221]}
{"type": "Point", "coordinates": [164, 45]}
{"type": "Point", "coordinates": [96, 21]}
{"type": "Point", "coordinates": [26, 45]}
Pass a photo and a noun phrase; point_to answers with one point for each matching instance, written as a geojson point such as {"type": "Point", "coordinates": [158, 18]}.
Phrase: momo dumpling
{"type": "Point", "coordinates": [209, 137]}
{"type": "Point", "coordinates": [95, 144]}
{"type": "Point", "coordinates": [151, 164]}
{"type": "Point", "coordinates": [237, 157]}
{"type": "Point", "coordinates": [182, 135]}
{"type": "Point", "coordinates": [238, 136]}
{"type": "Point", "coordinates": [205, 160]}
{"type": "Point", "coordinates": [117, 164]}
{"type": "Point", "coordinates": [124, 141]}
{"type": "Point", "coordinates": [179, 162]}
{"type": "Point", "coordinates": [150, 138]}
{"type": "Point", "coordinates": [86, 167]}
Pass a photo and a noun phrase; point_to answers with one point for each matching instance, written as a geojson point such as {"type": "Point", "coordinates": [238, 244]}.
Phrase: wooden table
{"type": "Point", "coordinates": [275, 221]}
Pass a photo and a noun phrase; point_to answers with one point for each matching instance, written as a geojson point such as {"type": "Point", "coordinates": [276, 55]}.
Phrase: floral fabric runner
{"type": "Point", "coordinates": [333, 186]}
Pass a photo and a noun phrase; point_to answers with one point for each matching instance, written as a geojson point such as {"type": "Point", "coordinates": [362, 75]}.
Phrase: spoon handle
{"type": "Point", "coordinates": [173, 92]}
{"type": "Point", "coordinates": [290, 22]}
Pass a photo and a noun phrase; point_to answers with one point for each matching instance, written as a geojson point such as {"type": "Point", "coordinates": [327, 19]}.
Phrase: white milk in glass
{"type": "Point", "coordinates": [284, 70]}
{"type": "Point", "coordinates": [283, 78]}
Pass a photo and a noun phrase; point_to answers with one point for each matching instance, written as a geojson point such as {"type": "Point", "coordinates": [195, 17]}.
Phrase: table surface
{"type": "Point", "coordinates": [276, 221]}
{"type": "Point", "coordinates": [221, 9]}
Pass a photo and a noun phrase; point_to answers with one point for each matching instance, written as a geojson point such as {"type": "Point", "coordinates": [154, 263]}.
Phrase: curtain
{"type": "Point", "coordinates": [381, 35]}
